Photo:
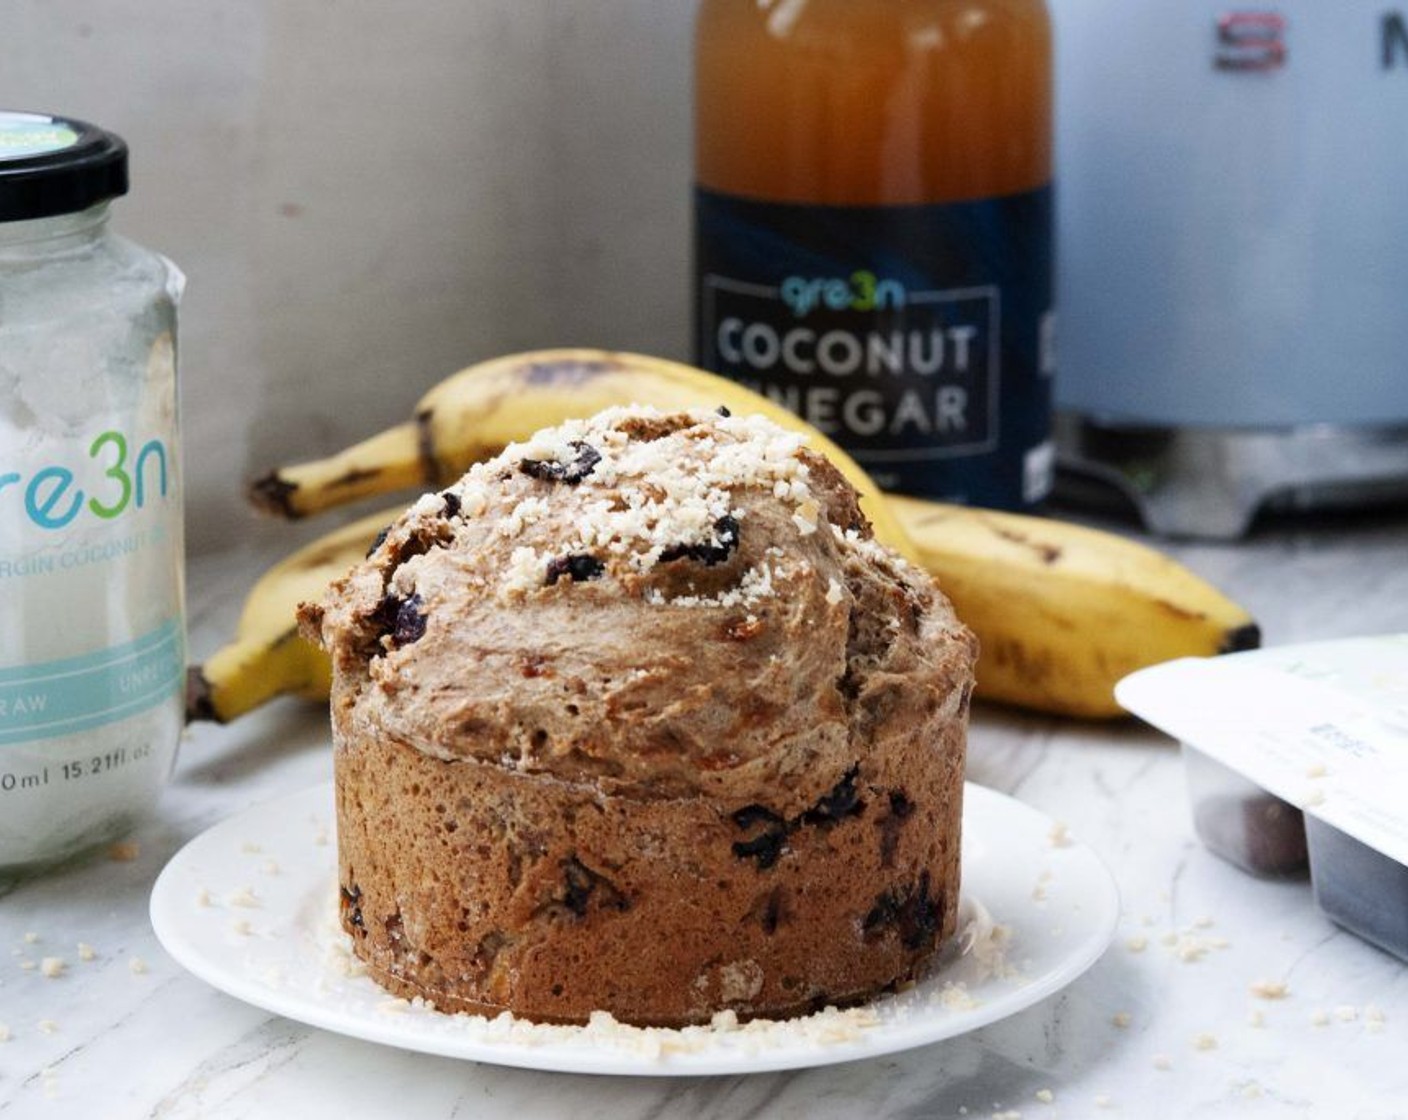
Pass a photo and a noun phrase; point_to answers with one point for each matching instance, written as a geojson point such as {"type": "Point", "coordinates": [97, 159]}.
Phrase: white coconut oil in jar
{"type": "Point", "coordinates": [92, 639]}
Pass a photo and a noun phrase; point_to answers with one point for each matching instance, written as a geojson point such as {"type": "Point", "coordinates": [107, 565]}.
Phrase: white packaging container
{"type": "Point", "coordinates": [92, 646]}
{"type": "Point", "coordinates": [1318, 732]}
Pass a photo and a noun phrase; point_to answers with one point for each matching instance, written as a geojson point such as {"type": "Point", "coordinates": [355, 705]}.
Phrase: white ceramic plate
{"type": "Point", "coordinates": [250, 907]}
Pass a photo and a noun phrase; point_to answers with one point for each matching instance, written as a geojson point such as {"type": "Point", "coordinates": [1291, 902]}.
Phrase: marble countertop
{"type": "Point", "coordinates": [1165, 1024]}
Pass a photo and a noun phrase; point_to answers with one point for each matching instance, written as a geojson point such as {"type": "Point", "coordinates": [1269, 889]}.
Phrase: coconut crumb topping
{"type": "Point", "coordinates": [638, 500]}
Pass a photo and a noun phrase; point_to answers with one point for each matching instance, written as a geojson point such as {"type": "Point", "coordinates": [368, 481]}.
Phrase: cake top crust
{"type": "Point", "coordinates": [661, 604]}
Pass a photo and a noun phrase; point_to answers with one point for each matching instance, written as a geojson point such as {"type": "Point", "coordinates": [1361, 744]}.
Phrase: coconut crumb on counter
{"type": "Point", "coordinates": [1269, 989]}
{"type": "Point", "coordinates": [1045, 1096]}
{"type": "Point", "coordinates": [31, 938]}
{"type": "Point", "coordinates": [48, 1026]}
{"type": "Point", "coordinates": [1120, 1019]}
{"type": "Point", "coordinates": [136, 965]}
{"type": "Point", "coordinates": [5, 1034]}
{"type": "Point", "coordinates": [1189, 945]}
{"type": "Point", "coordinates": [1346, 1013]}
{"type": "Point", "coordinates": [1320, 1018]}
{"type": "Point", "coordinates": [1060, 835]}
{"type": "Point", "coordinates": [53, 967]}
{"type": "Point", "coordinates": [1137, 944]}
{"type": "Point", "coordinates": [86, 952]}
{"type": "Point", "coordinates": [1204, 1040]}
{"type": "Point", "coordinates": [125, 851]}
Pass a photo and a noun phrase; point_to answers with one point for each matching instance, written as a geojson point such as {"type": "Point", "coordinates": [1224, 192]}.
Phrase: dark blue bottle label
{"type": "Point", "coordinates": [918, 337]}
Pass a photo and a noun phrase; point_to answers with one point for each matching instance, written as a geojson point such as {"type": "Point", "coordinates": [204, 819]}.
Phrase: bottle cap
{"type": "Point", "coordinates": [53, 165]}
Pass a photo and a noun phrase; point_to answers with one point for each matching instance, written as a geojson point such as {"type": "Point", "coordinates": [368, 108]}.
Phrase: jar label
{"type": "Point", "coordinates": [57, 698]}
{"type": "Point", "coordinates": [918, 337]}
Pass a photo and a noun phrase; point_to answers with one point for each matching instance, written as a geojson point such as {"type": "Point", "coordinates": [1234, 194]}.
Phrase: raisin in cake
{"type": "Point", "coordinates": [637, 717]}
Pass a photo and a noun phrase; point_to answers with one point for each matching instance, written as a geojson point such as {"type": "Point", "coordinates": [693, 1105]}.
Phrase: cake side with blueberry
{"type": "Point", "coordinates": [637, 717]}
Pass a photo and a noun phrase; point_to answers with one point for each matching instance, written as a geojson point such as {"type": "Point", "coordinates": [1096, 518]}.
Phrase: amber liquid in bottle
{"type": "Point", "coordinates": [873, 229]}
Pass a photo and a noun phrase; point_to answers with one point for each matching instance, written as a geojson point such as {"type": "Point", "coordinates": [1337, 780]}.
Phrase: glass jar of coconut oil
{"type": "Point", "coordinates": [91, 551]}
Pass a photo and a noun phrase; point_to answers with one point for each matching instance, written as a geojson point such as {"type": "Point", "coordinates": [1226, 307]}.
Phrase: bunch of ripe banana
{"type": "Point", "coordinates": [1062, 612]}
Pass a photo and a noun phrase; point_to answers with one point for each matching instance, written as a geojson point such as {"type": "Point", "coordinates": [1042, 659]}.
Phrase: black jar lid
{"type": "Point", "coordinates": [54, 165]}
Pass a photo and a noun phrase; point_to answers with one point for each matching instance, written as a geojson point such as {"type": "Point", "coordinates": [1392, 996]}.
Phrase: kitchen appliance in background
{"type": "Point", "coordinates": [1232, 187]}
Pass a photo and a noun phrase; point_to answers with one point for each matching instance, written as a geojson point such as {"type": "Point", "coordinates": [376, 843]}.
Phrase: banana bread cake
{"type": "Point", "coordinates": [637, 717]}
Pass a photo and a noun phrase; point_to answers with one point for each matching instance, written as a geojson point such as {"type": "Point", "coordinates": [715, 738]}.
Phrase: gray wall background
{"type": "Point", "coordinates": [367, 196]}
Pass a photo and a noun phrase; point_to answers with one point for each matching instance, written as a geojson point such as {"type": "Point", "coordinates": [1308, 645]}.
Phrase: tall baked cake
{"type": "Point", "coordinates": [638, 717]}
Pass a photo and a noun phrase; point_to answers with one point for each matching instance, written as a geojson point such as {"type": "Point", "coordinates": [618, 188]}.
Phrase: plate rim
{"type": "Point", "coordinates": [586, 1055]}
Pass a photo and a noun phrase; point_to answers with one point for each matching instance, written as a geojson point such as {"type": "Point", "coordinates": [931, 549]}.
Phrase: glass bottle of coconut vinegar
{"type": "Point", "coordinates": [873, 230]}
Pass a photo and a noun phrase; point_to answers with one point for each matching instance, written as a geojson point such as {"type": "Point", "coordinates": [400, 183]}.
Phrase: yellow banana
{"type": "Point", "coordinates": [1062, 612]}
{"type": "Point", "coordinates": [473, 414]}
{"type": "Point", "coordinates": [268, 657]}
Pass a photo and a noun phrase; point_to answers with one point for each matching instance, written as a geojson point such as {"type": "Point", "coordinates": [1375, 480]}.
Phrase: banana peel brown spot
{"type": "Point", "coordinates": [292, 634]}
{"type": "Point", "coordinates": [274, 494]}
{"type": "Point", "coordinates": [1033, 669]}
{"type": "Point", "coordinates": [324, 557]}
{"type": "Point", "coordinates": [425, 446]}
{"type": "Point", "coordinates": [1047, 553]}
{"type": "Point", "coordinates": [438, 469]}
{"type": "Point", "coordinates": [353, 477]}
{"type": "Point", "coordinates": [200, 706]}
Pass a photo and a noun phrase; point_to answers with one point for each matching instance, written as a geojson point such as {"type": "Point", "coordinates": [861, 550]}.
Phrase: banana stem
{"type": "Point", "coordinates": [388, 461]}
